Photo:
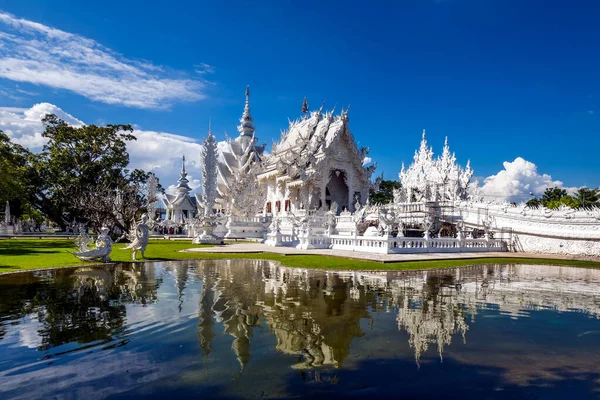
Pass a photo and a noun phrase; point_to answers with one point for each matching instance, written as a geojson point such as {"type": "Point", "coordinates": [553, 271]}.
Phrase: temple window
{"type": "Point", "coordinates": [269, 208]}
{"type": "Point", "coordinates": [278, 206]}
{"type": "Point", "coordinates": [288, 205]}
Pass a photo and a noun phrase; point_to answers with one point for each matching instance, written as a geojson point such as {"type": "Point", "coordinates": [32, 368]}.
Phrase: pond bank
{"type": "Point", "coordinates": [254, 248]}
{"type": "Point", "coordinates": [27, 254]}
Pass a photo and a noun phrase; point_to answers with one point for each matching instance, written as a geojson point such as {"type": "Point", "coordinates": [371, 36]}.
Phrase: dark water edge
{"type": "Point", "coordinates": [250, 328]}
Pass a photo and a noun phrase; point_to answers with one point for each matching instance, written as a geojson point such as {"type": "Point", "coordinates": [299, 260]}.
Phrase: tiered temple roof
{"type": "Point", "coordinates": [238, 153]}
{"type": "Point", "coordinates": [308, 143]}
{"type": "Point", "coordinates": [182, 198]}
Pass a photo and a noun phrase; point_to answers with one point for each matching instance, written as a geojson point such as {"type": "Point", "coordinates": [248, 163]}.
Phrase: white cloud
{"type": "Point", "coordinates": [40, 110]}
{"type": "Point", "coordinates": [24, 125]}
{"type": "Point", "coordinates": [13, 109]}
{"type": "Point", "coordinates": [162, 153]}
{"type": "Point", "coordinates": [38, 54]}
{"type": "Point", "coordinates": [367, 160]}
{"type": "Point", "coordinates": [158, 151]}
{"type": "Point", "coordinates": [516, 181]}
{"type": "Point", "coordinates": [203, 69]}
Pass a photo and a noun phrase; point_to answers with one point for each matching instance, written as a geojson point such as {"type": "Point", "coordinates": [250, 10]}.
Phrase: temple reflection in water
{"type": "Point", "coordinates": [314, 315]}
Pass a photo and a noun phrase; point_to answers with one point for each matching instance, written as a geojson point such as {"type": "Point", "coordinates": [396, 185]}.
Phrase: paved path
{"type": "Point", "coordinates": [248, 248]}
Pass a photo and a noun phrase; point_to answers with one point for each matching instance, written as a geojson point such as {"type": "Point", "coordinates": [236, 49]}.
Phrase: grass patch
{"type": "Point", "coordinates": [26, 254]}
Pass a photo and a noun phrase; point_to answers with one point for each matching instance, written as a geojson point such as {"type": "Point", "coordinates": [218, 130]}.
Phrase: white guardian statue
{"type": "Point", "coordinates": [139, 237]}
{"type": "Point", "coordinates": [102, 250]}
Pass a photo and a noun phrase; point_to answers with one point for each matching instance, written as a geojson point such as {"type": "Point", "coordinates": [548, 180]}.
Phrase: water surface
{"type": "Point", "coordinates": [248, 328]}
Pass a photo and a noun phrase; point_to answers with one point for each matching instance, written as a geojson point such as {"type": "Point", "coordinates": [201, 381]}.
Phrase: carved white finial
{"type": "Point", "coordinates": [246, 128]}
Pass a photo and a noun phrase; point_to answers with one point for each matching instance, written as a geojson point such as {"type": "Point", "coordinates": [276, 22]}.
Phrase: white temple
{"type": "Point", "coordinates": [181, 206]}
{"type": "Point", "coordinates": [312, 192]}
{"type": "Point", "coordinates": [315, 164]}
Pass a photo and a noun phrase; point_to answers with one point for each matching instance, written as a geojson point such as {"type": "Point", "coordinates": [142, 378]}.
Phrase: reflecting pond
{"type": "Point", "coordinates": [248, 328]}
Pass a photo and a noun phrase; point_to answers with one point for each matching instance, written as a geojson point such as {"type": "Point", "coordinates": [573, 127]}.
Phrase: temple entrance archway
{"type": "Point", "coordinates": [337, 190]}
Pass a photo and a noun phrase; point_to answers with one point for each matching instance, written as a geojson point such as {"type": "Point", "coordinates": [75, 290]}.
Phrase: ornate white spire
{"type": "Point", "coordinates": [246, 127]}
{"type": "Point", "coordinates": [209, 171]}
{"type": "Point", "coordinates": [423, 148]}
{"type": "Point", "coordinates": [182, 183]}
{"type": "Point", "coordinates": [438, 179]}
{"type": "Point", "coordinates": [7, 214]}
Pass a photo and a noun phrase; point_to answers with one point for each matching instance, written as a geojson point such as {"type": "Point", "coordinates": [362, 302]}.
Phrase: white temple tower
{"type": "Point", "coordinates": [181, 206]}
{"type": "Point", "coordinates": [238, 154]}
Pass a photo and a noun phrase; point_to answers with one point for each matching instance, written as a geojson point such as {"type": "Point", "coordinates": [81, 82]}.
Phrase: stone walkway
{"type": "Point", "coordinates": [249, 248]}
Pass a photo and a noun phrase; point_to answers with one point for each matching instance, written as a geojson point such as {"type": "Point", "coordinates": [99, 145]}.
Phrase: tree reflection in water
{"type": "Point", "coordinates": [82, 305]}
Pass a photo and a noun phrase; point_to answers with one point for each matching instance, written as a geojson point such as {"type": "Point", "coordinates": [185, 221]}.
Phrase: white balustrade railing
{"type": "Point", "coordinates": [414, 245]}
{"type": "Point", "coordinates": [390, 245]}
{"type": "Point", "coordinates": [288, 238]}
{"type": "Point", "coordinates": [410, 207]}
{"type": "Point", "coordinates": [239, 220]}
{"type": "Point", "coordinates": [347, 219]}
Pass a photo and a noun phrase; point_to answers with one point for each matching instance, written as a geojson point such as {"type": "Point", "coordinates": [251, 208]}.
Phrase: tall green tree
{"type": "Point", "coordinates": [81, 175]}
{"type": "Point", "coordinates": [553, 195]}
{"type": "Point", "coordinates": [554, 198]}
{"type": "Point", "coordinates": [14, 178]}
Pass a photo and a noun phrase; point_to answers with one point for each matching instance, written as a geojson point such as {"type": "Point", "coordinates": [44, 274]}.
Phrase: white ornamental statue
{"type": "Point", "coordinates": [7, 214]}
{"type": "Point", "coordinates": [209, 155]}
{"type": "Point", "coordinates": [139, 237]}
{"type": "Point", "coordinates": [207, 220]}
{"type": "Point", "coordinates": [102, 250]}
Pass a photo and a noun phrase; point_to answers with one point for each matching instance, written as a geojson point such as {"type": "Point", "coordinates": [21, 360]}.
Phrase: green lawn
{"type": "Point", "coordinates": [24, 254]}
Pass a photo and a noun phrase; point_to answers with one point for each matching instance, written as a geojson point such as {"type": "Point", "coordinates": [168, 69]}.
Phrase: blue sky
{"type": "Point", "coordinates": [502, 79]}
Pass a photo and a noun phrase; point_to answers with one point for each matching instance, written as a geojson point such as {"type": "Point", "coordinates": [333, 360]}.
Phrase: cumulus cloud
{"type": "Point", "coordinates": [38, 54]}
{"type": "Point", "coordinates": [24, 125]}
{"type": "Point", "coordinates": [516, 182]}
{"type": "Point", "coordinates": [160, 152]}
{"type": "Point", "coordinates": [367, 160]}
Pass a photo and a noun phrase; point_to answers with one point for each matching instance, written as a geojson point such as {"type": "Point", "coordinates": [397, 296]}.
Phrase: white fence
{"type": "Point", "coordinates": [415, 245]}
{"type": "Point", "coordinates": [394, 245]}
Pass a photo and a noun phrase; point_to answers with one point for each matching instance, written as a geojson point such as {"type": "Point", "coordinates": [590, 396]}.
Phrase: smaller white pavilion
{"type": "Point", "coordinates": [181, 206]}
